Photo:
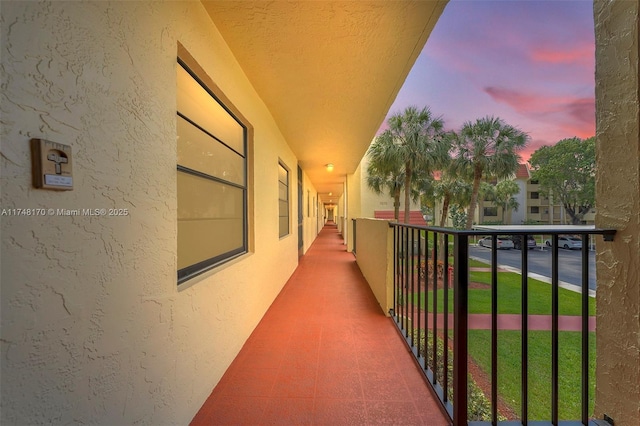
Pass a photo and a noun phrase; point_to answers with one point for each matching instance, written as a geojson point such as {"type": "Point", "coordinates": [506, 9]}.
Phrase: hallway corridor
{"type": "Point", "coordinates": [323, 354]}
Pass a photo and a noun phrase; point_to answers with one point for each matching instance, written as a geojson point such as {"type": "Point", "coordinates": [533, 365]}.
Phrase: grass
{"type": "Point", "coordinates": [473, 263]}
{"type": "Point", "coordinates": [539, 344]}
{"type": "Point", "coordinates": [509, 297]}
{"type": "Point", "coordinates": [539, 359]}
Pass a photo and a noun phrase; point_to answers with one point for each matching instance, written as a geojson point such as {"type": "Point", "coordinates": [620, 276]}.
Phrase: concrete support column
{"type": "Point", "coordinates": [618, 206]}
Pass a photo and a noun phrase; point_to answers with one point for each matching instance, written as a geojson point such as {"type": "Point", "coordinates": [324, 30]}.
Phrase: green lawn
{"type": "Point", "coordinates": [509, 344]}
{"type": "Point", "coordinates": [509, 297]}
{"type": "Point", "coordinates": [478, 264]}
{"type": "Point", "coordinates": [539, 370]}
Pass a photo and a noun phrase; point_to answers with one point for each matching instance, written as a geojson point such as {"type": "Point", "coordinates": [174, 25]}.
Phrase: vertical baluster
{"type": "Point", "coordinates": [460, 327]}
{"type": "Point", "coordinates": [395, 272]}
{"type": "Point", "coordinates": [554, 330]}
{"type": "Point", "coordinates": [418, 294]}
{"type": "Point", "coordinates": [494, 330]}
{"type": "Point", "coordinates": [426, 301]}
{"type": "Point", "coordinates": [405, 283]}
{"type": "Point", "coordinates": [434, 335]}
{"type": "Point", "coordinates": [585, 330]}
{"type": "Point", "coordinates": [413, 291]}
{"type": "Point", "coordinates": [445, 325]}
{"type": "Point", "coordinates": [525, 336]}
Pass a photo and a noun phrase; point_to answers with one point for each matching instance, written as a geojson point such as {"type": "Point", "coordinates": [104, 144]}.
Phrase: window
{"type": "Point", "coordinates": [283, 200]}
{"type": "Point", "coordinates": [535, 210]}
{"type": "Point", "coordinates": [491, 211]}
{"type": "Point", "coordinates": [535, 195]}
{"type": "Point", "coordinates": [211, 178]}
{"type": "Point", "coordinates": [534, 182]}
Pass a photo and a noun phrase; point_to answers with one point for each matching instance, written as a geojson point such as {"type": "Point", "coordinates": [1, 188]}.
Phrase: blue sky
{"type": "Point", "coordinates": [530, 63]}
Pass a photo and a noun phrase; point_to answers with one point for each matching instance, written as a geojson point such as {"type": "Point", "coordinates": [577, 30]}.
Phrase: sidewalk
{"type": "Point", "coordinates": [514, 322]}
{"type": "Point", "coordinates": [323, 354]}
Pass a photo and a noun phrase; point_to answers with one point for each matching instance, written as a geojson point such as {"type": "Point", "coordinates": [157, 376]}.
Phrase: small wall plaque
{"type": "Point", "coordinates": [51, 165]}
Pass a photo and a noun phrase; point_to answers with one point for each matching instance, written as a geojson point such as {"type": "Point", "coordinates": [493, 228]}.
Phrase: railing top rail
{"type": "Point", "coordinates": [608, 233]}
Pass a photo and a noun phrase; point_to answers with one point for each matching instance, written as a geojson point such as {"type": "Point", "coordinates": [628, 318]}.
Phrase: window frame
{"type": "Point", "coordinates": [187, 62]}
{"type": "Point", "coordinates": [490, 209]}
{"type": "Point", "coordinates": [282, 165]}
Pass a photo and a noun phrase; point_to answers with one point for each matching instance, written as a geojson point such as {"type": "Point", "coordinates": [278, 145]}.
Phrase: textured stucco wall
{"type": "Point", "coordinates": [354, 206]}
{"type": "Point", "coordinates": [374, 255]}
{"type": "Point", "coordinates": [520, 215]}
{"type": "Point", "coordinates": [309, 222]}
{"type": "Point", "coordinates": [618, 206]}
{"type": "Point", "coordinates": [94, 329]}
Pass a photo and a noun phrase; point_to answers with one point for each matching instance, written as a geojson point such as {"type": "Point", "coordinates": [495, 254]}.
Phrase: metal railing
{"type": "Point", "coordinates": [423, 269]}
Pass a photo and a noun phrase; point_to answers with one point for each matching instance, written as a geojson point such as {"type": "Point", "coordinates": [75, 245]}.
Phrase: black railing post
{"type": "Point", "coordinates": [460, 325]}
{"type": "Point", "coordinates": [413, 289]}
{"type": "Point", "coordinates": [426, 300]}
{"type": "Point", "coordinates": [417, 272]}
{"type": "Point", "coordinates": [445, 325]}
{"type": "Point", "coordinates": [494, 329]}
{"type": "Point", "coordinates": [524, 356]}
{"type": "Point", "coordinates": [554, 330]}
{"type": "Point", "coordinates": [395, 271]}
{"type": "Point", "coordinates": [585, 331]}
{"type": "Point", "coordinates": [405, 283]}
{"type": "Point", "coordinates": [434, 335]}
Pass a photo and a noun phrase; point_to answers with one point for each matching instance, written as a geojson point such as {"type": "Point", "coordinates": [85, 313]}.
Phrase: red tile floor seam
{"type": "Point", "coordinates": [324, 354]}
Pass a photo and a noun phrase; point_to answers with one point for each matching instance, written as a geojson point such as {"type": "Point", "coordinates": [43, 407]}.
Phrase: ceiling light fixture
{"type": "Point", "coordinates": [330, 167]}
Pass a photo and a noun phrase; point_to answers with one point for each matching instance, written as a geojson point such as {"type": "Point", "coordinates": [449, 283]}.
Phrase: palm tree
{"type": "Point", "coordinates": [504, 196]}
{"type": "Point", "coordinates": [383, 175]}
{"type": "Point", "coordinates": [415, 141]}
{"type": "Point", "coordinates": [488, 148]}
{"type": "Point", "coordinates": [451, 191]}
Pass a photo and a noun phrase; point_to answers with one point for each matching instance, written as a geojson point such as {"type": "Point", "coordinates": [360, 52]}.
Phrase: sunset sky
{"type": "Point", "coordinates": [530, 63]}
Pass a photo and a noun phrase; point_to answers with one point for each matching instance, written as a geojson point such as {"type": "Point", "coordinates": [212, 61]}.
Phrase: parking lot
{"type": "Point", "coordinates": [570, 262]}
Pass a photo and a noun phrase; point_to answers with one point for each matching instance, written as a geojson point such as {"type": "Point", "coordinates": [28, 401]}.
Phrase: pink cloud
{"type": "Point", "coordinates": [570, 116]}
{"type": "Point", "coordinates": [583, 109]}
{"type": "Point", "coordinates": [526, 103]}
{"type": "Point", "coordinates": [556, 55]}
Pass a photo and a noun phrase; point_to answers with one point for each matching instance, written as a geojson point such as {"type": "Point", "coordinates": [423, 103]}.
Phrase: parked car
{"type": "Point", "coordinates": [568, 243]}
{"type": "Point", "coordinates": [504, 243]}
{"type": "Point", "coordinates": [517, 242]}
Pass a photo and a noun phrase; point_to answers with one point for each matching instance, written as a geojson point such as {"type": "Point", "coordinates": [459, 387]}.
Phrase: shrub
{"type": "Point", "coordinates": [479, 406]}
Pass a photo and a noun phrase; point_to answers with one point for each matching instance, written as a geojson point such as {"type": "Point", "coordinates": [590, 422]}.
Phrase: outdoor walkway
{"type": "Point", "coordinates": [323, 354]}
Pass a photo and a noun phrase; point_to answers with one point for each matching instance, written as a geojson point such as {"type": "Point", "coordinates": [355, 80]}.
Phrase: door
{"type": "Point", "coordinates": [300, 214]}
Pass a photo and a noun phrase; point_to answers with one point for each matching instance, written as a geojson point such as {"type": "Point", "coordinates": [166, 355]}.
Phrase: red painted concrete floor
{"type": "Point", "coordinates": [323, 354]}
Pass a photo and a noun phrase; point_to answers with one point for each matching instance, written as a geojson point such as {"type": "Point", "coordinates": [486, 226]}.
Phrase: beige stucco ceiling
{"type": "Point", "coordinates": [327, 70]}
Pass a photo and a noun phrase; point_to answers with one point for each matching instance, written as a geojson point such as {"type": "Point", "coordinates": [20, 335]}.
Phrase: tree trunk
{"type": "Point", "coordinates": [443, 222]}
{"type": "Point", "coordinates": [576, 219]}
{"type": "Point", "coordinates": [445, 210]}
{"type": "Point", "coordinates": [396, 204]}
{"type": "Point", "coordinates": [477, 175]}
{"type": "Point", "coordinates": [407, 192]}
